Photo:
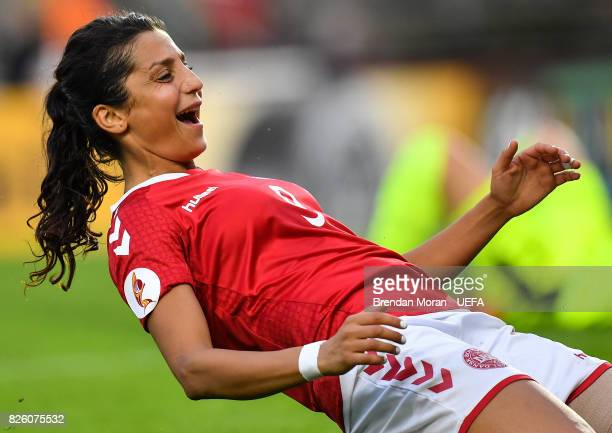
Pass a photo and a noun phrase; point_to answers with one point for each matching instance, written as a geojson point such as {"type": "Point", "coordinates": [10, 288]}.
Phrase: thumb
{"type": "Point", "coordinates": [506, 156]}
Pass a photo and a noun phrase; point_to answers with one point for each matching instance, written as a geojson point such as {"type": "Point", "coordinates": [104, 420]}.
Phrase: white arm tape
{"type": "Point", "coordinates": [307, 362]}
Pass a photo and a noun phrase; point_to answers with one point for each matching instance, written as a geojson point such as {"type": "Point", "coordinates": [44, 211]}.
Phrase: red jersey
{"type": "Point", "coordinates": [270, 269]}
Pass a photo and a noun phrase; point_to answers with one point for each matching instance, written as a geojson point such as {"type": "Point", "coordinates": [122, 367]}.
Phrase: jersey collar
{"type": "Point", "coordinates": [150, 181]}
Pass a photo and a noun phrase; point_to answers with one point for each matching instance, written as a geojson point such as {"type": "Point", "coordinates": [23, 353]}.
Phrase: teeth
{"type": "Point", "coordinates": [189, 116]}
{"type": "Point", "coordinates": [194, 110]}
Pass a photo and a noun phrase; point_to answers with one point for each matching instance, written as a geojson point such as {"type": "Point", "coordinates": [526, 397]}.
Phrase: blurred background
{"type": "Point", "coordinates": [390, 112]}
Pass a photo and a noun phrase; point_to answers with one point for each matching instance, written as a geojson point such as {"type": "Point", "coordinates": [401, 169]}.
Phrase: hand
{"type": "Point", "coordinates": [358, 335]}
{"type": "Point", "coordinates": [520, 182]}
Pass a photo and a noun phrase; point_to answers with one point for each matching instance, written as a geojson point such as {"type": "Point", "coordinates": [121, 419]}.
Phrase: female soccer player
{"type": "Point", "coordinates": [249, 288]}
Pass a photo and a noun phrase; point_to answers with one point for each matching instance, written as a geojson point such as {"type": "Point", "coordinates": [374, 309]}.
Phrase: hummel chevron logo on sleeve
{"type": "Point", "coordinates": [124, 248]}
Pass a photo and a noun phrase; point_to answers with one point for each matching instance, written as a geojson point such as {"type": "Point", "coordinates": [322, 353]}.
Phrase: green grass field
{"type": "Point", "coordinates": [84, 354]}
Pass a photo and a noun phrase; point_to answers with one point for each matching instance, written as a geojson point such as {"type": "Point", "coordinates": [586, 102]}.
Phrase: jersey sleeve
{"type": "Point", "coordinates": [147, 255]}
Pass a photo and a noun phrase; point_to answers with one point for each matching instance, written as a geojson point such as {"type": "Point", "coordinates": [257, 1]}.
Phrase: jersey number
{"type": "Point", "coordinates": [316, 221]}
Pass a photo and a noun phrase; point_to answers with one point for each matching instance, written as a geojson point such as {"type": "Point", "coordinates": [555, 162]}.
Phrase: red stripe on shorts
{"type": "Point", "coordinates": [588, 381]}
{"type": "Point", "coordinates": [467, 422]}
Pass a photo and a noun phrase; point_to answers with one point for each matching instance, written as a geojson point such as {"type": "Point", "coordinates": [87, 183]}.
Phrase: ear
{"type": "Point", "coordinates": [110, 119]}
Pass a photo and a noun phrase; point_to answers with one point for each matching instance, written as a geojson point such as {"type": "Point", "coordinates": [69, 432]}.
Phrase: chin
{"type": "Point", "coordinates": [192, 147]}
{"type": "Point", "coordinates": [200, 149]}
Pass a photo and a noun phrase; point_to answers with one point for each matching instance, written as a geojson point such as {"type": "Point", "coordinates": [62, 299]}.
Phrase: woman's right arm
{"type": "Point", "coordinates": [180, 330]}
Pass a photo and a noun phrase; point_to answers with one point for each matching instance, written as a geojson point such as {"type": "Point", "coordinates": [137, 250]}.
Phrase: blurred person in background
{"type": "Point", "coordinates": [21, 40]}
{"type": "Point", "coordinates": [448, 173]}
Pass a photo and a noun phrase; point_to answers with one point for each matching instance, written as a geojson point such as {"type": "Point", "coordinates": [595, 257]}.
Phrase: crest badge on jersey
{"type": "Point", "coordinates": [482, 360]}
{"type": "Point", "coordinates": [141, 289]}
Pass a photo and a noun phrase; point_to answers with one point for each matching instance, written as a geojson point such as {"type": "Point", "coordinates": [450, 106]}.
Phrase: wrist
{"type": "Point", "coordinates": [308, 361]}
{"type": "Point", "coordinates": [495, 210]}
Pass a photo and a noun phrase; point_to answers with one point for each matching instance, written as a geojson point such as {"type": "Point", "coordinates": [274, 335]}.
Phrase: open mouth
{"type": "Point", "coordinates": [191, 116]}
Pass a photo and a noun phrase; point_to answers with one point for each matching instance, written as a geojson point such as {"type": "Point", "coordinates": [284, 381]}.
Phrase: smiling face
{"type": "Point", "coordinates": [162, 117]}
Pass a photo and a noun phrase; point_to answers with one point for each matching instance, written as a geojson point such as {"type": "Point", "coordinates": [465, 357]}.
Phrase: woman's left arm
{"type": "Point", "coordinates": [518, 183]}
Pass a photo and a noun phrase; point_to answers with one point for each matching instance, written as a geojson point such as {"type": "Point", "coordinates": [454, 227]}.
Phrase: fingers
{"type": "Point", "coordinates": [505, 158]}
{"type": "Point", "coordinates": [543, 151]}
{"type": "Point", "coordinates": [573, 163]}
{"type": "Point", "coordinates": [563, 161]}
{"type": "Point", "coordinates": [376, 318]}
{"type": "Point", "coordinates": [371, 344]}
{"type": "Point", "coordinates": [371, 358]}
{"type": "Point", "coordinates": [568, 162]}
{"type": "Point", "coordinates": [558, 158]}
{"type": "Point", "coordinates": [362, 339]}
{"type": "Point", "coordinates": [377, 331]}
{"type": "Point", "coordinates": [373, 332]}
{"type": "Point", "coordinates": [556, 166]}
{"type": "Point", "coordinates": [566, 176]}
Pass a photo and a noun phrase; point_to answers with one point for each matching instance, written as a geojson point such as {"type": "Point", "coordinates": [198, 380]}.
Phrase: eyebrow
{"type": "Point", "coordinates": [167, 61]}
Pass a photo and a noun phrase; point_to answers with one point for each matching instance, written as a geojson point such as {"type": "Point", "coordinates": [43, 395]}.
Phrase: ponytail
{"type": "Point", "coordinates": [92, 71]}
{"type": "Point", "coordinates": [71, 192]}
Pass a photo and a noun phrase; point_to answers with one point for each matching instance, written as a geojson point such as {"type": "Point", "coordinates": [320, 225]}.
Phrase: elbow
{"type": "Point", "coordinates": [192, 392]}
{"type": "Point", "coordinates": [194, 382]}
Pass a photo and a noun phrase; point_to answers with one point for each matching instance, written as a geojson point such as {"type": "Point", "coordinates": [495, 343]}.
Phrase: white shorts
{"type": "Point", "coordinates": [452, 365]}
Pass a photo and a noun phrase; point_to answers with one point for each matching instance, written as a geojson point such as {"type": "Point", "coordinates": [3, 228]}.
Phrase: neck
{"type": "Point", "coordinates": [134, 175]}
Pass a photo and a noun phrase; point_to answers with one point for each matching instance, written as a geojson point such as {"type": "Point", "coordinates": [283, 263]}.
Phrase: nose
{"type": "Point", "coordinates": [193, 84]}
